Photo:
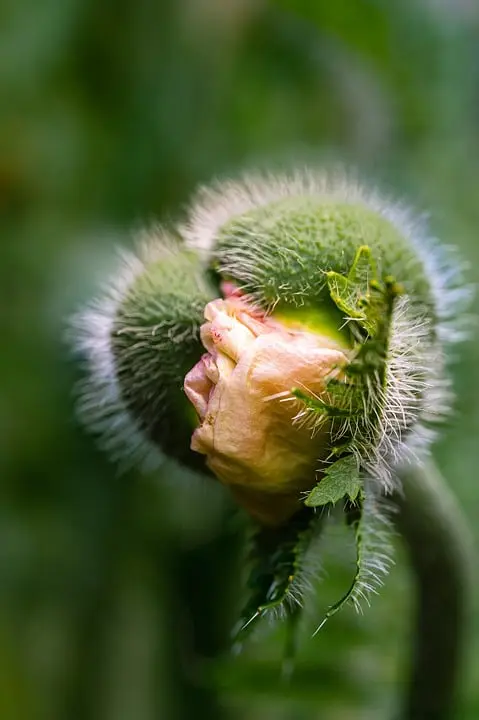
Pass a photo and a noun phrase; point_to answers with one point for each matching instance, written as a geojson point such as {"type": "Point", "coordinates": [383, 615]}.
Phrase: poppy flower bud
{"type": "Point", "coordinates": [241, 390]}
{"type": "Point", "coordinates": [294, 344]}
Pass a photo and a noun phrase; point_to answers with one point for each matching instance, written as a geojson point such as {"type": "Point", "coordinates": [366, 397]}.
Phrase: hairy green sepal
{"type": "Point", "coordinates": [353, 407]}
{"type": "Point", "coordinates": [156, 341]}
{"type": "Point", "coordinates": [354, 404]}
{"type": "Point", "coordinates": [282, 252]}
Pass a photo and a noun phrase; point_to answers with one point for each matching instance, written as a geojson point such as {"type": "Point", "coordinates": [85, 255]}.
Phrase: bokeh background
{"type": "Point", "coordinates": [117, 591]}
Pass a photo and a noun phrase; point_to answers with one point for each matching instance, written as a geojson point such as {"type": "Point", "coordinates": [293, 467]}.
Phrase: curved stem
{"type": "Point", "coordinates": [436, 535]}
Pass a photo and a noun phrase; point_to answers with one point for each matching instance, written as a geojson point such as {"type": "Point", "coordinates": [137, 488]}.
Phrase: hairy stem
{"type": "Point", "coordinates": [436, 535]}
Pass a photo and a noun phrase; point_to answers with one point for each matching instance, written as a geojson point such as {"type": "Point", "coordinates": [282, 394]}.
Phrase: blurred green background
{"type": "Point", "coordinates": [117, 592]}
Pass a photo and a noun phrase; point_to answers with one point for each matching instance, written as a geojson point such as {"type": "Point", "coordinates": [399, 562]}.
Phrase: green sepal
{"type": "Point", "coordinates": [353, 402]}
{"type": "Point", "coordinates": [303, 238]}
{"type": "Point", "coordinates": [341, 480]}
{"type": "Point", "coordinates": [155, 341]}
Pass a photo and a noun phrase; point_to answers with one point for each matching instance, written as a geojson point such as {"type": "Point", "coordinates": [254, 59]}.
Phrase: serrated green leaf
{"type": "Point", "coordinates": [345, 395]}
{"type": "Point", "coordinates": [360, 294]}
{"type": "Point", "coordinates": [363, 270]}
{"type": "Point", "coordinates": [340, 480]}
{"type": "Point", "coordinates": [276, 560]}
{"type": "Point", "coordinates": [373, 549]}
{"type": "Point", "coordinates": [345, 402]}
{"type": "Point", "coordinates": [345, 295]}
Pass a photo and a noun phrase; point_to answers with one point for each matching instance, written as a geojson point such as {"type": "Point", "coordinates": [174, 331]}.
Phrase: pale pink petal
{"type": "Point", "coordinates": [198, 387]}
{"type": "Point", "coordinates": [224, 333]}
{"type": "Point", "coordinates": [242, 393]}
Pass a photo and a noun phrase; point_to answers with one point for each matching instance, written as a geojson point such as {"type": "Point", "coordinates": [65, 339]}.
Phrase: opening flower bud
{"type": "Point", "coordinates": [317, 376]}
{"type": "Point", "coordinates": [241, 390]}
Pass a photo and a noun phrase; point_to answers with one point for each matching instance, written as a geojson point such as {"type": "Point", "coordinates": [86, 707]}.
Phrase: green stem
{"type": "Point", "coordinates": [436, 535]}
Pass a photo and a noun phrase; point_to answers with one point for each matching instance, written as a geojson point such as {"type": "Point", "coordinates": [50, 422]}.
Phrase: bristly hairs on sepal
{"type": "Point", "coordinates": [407, 426]}
{"type": "Point", "coordinates": [415, 396]}
{"type": "Point", "coordinates": [100, 405]}
{"type": "Point", "coordinates": [214, 206]}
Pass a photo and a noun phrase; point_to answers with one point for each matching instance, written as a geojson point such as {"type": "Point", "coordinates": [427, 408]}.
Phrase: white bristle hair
{"type": "Point", "coordinates": [405, 434]}
{"type": "Point", "coordinates": [100, 405]}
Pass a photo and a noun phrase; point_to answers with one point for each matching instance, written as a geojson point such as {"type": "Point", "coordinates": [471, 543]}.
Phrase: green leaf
{"type": "Point", "coordinates": [360, 294]}
{"type": "Point", "coordinates": [345, 401]}
{"type": "Point", "coordinates": [373, 553]}
{"type": "Point", "coordinates": [345, 295]}
{"type": "Point", "coordinates": [363, 270]}
{"type": "Point", "coordinates": [340, 480]}
{"type": "Point", "coordinates": [276, 562]}
{"type": "Point", "coordinates": [351, 293]}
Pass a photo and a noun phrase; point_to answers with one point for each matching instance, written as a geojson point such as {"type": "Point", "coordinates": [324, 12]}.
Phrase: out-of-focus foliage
{"type": "Point", "coordinates": [117, 593]}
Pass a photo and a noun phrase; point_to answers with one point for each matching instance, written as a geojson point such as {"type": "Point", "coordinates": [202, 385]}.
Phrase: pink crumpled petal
{"type": "Point", "coordinates": [241, 390]}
